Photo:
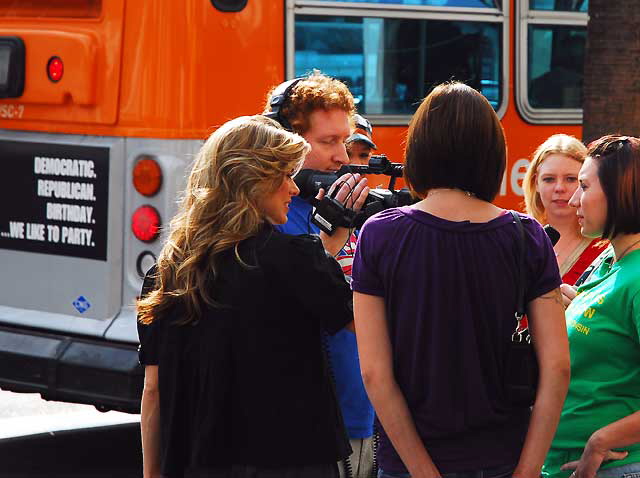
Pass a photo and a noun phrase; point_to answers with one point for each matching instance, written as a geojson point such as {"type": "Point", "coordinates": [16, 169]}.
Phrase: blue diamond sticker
{"type": "Point", "coordinates": [81, 304]}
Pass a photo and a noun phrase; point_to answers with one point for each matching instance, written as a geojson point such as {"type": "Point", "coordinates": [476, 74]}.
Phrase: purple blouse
{"type": "Point", "coordinates": [450, 297]}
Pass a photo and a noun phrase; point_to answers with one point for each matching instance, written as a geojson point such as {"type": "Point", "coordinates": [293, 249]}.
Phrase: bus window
{"type": "Point", "coordinates": [390, 64]}
{"type": "Point", "coordinates": [5, 55]}
{"type": "Point", "coordinates": [561, 5]}
{"type": "Point", "coordinates": [555, 75]}
{"type": "Point", "coordinates": [430, 3]}
{"type": "Point", "coordinates": [549, 70]}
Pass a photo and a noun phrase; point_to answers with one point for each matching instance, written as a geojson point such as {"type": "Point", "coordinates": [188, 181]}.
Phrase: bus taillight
{"type": "Point", "coordinates": [55, 69]}
{"type": "Point", "coordinates": [145, 223]}
{"type": "Point", "coordinates": [147, 176]}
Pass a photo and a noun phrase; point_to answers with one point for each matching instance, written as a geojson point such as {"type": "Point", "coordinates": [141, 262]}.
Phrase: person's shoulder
{"type": "Point", "coordinates": [535, 237]}
{"type": "Point", "coordinates": [525, 218]}
{"type": "Point", "coordinates": [530, 224]}
{"type": "Point", "coordinates": [384, 219]}
{"type": "Point", "coordinates": [292, 246]}
{"type": "Point", "coordinates": [628, 272]}
{"type": "Point", "coordinates": [279, 238]}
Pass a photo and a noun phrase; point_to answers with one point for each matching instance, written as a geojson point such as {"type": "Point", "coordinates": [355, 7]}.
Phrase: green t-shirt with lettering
{"type": "Point", "coordinates": [603, 323]}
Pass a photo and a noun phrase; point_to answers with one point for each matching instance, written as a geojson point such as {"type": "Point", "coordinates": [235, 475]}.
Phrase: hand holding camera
{"type": "Point", "coordinates": [350, 190]}
{"type": "Point", "coordinates": [349, 201]}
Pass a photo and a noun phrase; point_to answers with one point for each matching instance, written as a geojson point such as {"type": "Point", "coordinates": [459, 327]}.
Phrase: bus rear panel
{"type": "Point", "coordinates": [104, 103]}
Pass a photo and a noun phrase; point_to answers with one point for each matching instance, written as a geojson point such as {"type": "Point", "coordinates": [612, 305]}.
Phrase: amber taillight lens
{"type": "Point", "coordinates": [147, 176]}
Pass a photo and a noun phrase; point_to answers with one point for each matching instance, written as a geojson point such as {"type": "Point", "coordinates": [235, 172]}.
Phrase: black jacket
{"type": "Point", "coordinates": [249, 383]}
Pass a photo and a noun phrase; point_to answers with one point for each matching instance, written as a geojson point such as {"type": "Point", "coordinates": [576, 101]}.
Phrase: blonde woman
{"type": "Point", "coordinates": [236, 382]}
{"type": "Point", "coordinates": [549, 183]}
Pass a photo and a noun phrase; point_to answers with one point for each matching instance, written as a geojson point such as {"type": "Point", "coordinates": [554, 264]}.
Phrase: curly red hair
{"type": "Point", "coordinates": [316, 91]}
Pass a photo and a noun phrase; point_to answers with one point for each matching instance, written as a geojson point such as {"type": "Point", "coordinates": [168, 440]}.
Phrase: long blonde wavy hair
{"type": "Point", "coordinates": [243, 161]}
{"type": "Point", "coordinates": [555, 144]}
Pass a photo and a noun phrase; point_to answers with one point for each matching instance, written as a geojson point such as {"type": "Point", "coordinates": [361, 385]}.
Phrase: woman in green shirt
{"type": "Point", "coordinates": [599, 430]}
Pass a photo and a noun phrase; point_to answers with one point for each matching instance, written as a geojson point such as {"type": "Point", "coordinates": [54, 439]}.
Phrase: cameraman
{"type": "Point", "coordinates": [320, 109]}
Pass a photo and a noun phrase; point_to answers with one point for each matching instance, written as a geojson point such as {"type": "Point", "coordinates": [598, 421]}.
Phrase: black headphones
{"type": "Point", "coordinates": [278, 98]}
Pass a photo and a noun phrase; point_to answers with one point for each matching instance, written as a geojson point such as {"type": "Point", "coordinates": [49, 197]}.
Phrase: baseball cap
{"type": "Point", "coordinates": [363, 131]}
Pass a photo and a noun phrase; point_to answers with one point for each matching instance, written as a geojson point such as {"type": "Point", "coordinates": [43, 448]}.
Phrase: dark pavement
{"type": "Point", "coordinates": [110, 451]}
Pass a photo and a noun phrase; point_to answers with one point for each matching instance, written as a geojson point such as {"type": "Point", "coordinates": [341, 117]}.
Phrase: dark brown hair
{"type": "Point", "coordinates": [618, 161]}
{"type": "Point", "coordinates": [455, 140]}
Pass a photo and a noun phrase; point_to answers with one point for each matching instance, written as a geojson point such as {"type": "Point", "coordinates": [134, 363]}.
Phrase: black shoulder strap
{"type": "Point", "coordinates": [593, 266]}
{"type": "Point", "coordinates": [520, 311]}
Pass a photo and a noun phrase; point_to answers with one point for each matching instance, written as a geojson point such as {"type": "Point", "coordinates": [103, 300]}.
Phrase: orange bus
{"type": "Point", "coordinates": [103, 103]}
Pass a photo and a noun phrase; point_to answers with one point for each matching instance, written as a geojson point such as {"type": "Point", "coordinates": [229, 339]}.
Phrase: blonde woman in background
{"type": "Point", "coordinates": [549, 183]}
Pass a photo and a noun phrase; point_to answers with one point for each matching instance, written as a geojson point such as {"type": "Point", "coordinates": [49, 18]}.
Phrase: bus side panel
{"type": "Point", "coordinates": [88, 91]}
{"type": "Point", "coordinates": [188, 67]}
{"type": "Point", "coordinates": [522, 138]}
{"type": "Point", "coordinates": [61, 232]}
{"type": "Point", "coordinates": [161, 69]}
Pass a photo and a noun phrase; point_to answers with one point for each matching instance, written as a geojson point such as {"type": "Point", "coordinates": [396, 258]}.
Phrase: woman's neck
{"type": "Point", "coordinates": [570, 239]}
{"type": "Point", "coordinates": [457, 205]}
{"type": "Point", "coordinates": [623, 244]}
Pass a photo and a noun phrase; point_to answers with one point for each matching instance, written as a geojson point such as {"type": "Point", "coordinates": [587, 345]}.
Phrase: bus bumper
{"type": "Point", "coordinates": [71, 369]}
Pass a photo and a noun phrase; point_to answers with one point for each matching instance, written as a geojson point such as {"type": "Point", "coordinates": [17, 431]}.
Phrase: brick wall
{"type": "Point", "coordinates": [612, 69]}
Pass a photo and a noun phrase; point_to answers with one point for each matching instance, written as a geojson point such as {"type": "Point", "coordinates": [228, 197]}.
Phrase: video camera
{"type": "Point", "coordinates": [331, 214]}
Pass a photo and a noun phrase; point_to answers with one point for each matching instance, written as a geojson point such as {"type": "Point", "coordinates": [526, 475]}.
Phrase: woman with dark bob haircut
{"type": "Point", "coordinates": [434, 303]}
{"type": "Point", "coordinates": [599, 430]}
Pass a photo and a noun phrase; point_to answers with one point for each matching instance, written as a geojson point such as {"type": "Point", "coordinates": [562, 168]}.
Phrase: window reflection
{"type": "Point", "coordinates": [391, 64]}
{"type": "Point", "coordinates": [555, 66]}
{"type": "Point", "coordinates": [560, 5]}
{"type": "Point", "coordinates": [5, 57]}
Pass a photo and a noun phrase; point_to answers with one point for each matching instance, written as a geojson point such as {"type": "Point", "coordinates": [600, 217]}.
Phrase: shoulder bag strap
{"type": "Point", "coordinates": [520, 307]}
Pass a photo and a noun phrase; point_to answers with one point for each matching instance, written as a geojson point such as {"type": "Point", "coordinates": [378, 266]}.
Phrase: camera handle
{"type": "Point", "coordinates": [330, 214]}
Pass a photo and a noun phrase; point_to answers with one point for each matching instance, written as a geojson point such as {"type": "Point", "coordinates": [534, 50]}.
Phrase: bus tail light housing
{"type": "Point", "coordinates": [147, 176]}
{"type": "Point", "coordinates": [145, 223]}
{"type": "Point", "coordinates": [55, 69]}
{"type": "Point", "coordinates": [145, 260]}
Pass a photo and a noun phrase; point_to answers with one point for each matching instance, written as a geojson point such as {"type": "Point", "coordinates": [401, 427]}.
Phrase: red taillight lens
{"type": "Point", "coordinates": [147, 176]}
{"type": "Point", "coordinates": [55, 69]}
{"type": "Point", "coordinates": [145, 223]}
